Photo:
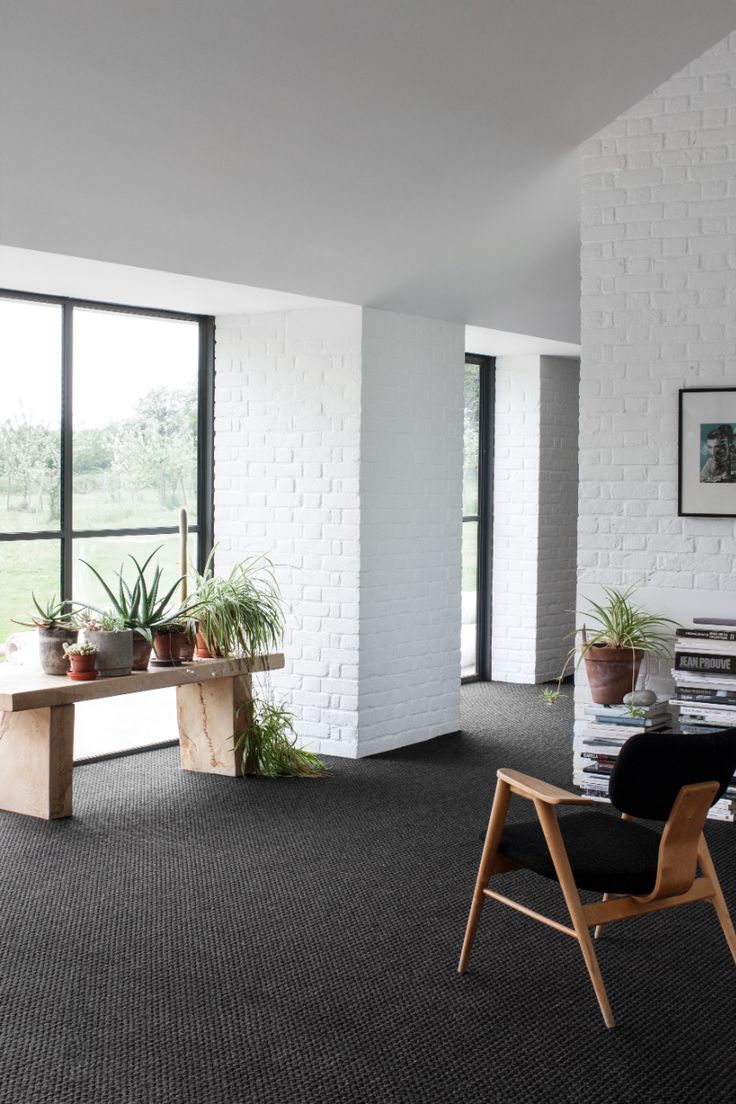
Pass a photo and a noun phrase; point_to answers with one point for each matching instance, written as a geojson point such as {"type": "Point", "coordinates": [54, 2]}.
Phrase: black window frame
{"type": "Point", "coordinates": [66, 533]}
{"type": "Point", "coordinates": [484, 517]}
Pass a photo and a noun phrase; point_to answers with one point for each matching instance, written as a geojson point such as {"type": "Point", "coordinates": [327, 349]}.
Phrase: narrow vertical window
{"type": "Point", "coordinates": [477, 518]}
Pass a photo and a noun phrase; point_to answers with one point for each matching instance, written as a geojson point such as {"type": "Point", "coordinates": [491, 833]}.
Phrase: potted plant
{"type": "Point", "coordinates": [140, 606]}
{"type": "Point", "coordinates": [168, 638]}
{"type": "Point", "coordinates": [612, 650]}
{"type": "Point", "coordinates": [82, 658]}
{"type": "Point", "coordinates": [240, 614]}
{"type": "Point", "coordinates": [268, 744]}
{"type": "Point", "coordinates": [56, 626]}
{"type": "Point", "coordinates": [113, 641]}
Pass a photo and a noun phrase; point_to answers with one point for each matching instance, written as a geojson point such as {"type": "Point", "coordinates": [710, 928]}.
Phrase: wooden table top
{"type": "Point", "coordinates": [22, 688]}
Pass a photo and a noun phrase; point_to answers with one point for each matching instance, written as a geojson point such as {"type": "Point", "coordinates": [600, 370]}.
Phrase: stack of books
{"type": "Point", "coordinates": [601, 735]}
{"type": "Point", "coordinates": [705, 688]}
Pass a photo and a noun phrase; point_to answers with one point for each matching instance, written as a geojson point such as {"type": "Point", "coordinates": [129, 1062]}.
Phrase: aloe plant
{"type": "Point", "coordinates": [53, 614]}
{"type": "Point", "coordinates": [140, 606]}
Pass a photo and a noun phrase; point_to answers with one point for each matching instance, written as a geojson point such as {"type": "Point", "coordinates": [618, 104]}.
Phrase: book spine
{"type": "Point", "coordinates": [702, 680]}
{"type": "Point", "coordinates": [706, 647]}
{"type": "Point", "coordinates": [716, 697]}
{"type": "Point", "coordinates": [706, 634]}
{"type": "Point", "coordinates": [633, 722]}
{"type": "Point", "coordinates": [695, 662]}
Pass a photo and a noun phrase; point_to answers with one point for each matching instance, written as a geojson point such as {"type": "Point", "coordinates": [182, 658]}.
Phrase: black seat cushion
{"type": "Point", "coordinates": [606, 854]}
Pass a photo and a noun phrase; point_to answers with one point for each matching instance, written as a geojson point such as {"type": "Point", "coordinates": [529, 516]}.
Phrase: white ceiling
{"type": "Point", "coordinates": [413, 155]}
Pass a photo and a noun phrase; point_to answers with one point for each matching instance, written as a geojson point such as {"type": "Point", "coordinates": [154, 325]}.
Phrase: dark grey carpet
{"type": "Point", "coordinates": [189, 940]}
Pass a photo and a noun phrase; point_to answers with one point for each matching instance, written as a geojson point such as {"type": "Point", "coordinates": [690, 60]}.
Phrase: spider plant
{"type": "Point", "coordinates": [268, 744]}
{"type": "Point", "coordinates": [624, 625]}
{"type": "Point", "coordinates": [139, 606]}
{"type": "Point", "coordinates": [240, 614]}
{"type": "Point", "coordinates": [618, 624]}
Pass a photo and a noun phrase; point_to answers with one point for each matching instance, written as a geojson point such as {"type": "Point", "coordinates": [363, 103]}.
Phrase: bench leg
{"type": "Point", "coordinates": [36, 761]}
{"type": "Point", "coordinates": [209, 714]}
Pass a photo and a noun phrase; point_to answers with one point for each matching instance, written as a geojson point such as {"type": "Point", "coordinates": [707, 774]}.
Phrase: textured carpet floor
{"type": "Point", "coordinates": [193, 940]}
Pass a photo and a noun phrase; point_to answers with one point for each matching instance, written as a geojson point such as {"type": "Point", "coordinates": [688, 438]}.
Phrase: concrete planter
{"type": "Point", "coordinates": [51, 649]}
{"type": "Point", "coordinates": [114, 650]}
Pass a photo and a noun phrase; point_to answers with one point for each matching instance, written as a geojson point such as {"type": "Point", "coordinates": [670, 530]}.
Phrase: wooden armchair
{"type": "Point", "coordinates": [666, 776]}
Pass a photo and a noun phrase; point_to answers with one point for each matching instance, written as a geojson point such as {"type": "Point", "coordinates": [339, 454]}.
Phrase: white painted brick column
{"type": "Point", "coordinates": [535, 505]}
{"type": "Point", "coordinates": [287, 443]}
{"type": "Point", "coordinates": [558, 509]}
{"type": "Point", "coordinates": [410, 529]}
{"type": "Point", "coordinates": [658, 299]}
{"type": "Point", "coordinates": [338, 452]}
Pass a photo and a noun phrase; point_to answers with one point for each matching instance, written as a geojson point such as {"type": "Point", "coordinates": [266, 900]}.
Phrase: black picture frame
{"type": "Point", "coordinates": [706, 452]}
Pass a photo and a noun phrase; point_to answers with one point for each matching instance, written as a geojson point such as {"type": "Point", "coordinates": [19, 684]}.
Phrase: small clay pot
{"type": "Point", "coordinates": [83, 667]}
{"type": "Point", "coordinates": [201, 650]}
{"type": "Point", "coordinates": [142, 649]}
{"type": "Point", "coordinates": [167, 646]}
{"type": "Point", "coordinates": [186, 651]}
{"type": "Point", "coordinates": [51, 649]}
{"type": "Point", "coordinates": [611, 672]}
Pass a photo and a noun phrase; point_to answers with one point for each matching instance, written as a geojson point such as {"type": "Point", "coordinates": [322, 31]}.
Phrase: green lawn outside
{"type": "Point", "coordinates": [33, 565]}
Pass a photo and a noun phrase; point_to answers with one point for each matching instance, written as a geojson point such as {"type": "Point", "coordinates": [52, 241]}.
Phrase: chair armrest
{"type": "Point", "coordinates": [536, 790]}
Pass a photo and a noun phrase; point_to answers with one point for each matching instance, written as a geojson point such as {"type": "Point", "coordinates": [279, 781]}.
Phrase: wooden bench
{"type": "Point", "coordinates": [37, 724]}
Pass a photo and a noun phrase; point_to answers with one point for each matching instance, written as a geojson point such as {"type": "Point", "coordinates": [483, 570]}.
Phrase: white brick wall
{"type": "Point", "coordinates": [338, 451]}
{"type": "Point", "coordinates": [287, 423]}
{"type": "Point", "coordinates": [410, 530]}
{"type": "Point", "coordinates": [558, 508]}
{"type": "Point", "coordinates": [535, 509]}
{"type": "Point", "coordinates": [658, 298]}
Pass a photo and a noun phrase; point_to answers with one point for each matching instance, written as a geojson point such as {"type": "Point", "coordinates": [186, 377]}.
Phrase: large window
{"type": "Point", "coordinates": [477, 499]}
{"type": "Point", "coordinates": [105, 432]}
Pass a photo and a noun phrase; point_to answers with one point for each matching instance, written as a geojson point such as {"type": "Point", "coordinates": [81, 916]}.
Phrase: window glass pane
{"type": "Point", "coordinates": [468, 659]}
{"type": "Point", "coordinates": [118, 724]}
{"type": "Point", "coordinates": [30, 415]}
{"type": "Point", "coordinates": [26, 568]}
{"type": "Point", "coordinates": [135, 419]}
{"type": "Point", "coordinates": [110, 554]}
{"type": "Point", "coordinates": [470, 450]}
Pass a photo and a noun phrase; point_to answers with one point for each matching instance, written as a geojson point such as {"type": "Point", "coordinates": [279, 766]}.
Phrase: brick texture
{"type": "Point", "coordinates": [338, 452]}
{"type": "Point", "coordinates": [658, 297]}
{"type": "Point", "coordinates": [411, 529]}
{"type": "Point", "coordinates": [287, 424]}
{"type": "Point", "coordinates": [535, 509]}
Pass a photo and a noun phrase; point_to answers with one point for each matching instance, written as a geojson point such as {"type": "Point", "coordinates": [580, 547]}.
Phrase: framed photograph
{"type": "Point", "coordinates": [707, 453]}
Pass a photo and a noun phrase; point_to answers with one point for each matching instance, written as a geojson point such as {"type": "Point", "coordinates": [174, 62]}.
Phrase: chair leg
{"type": "Point", "coordinates": [490, 847]}
{"type": "Point", "coordinates": [719, 901]}
{"type": "Point", "coordinates": [600, 928]}
{"type": "Point", "coordinates": [575, 906]}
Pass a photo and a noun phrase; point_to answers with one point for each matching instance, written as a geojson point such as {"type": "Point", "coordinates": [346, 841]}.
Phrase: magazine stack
{"type": "Point", "coordinates": [600, 736]}
{"type": "Point", "coordinates": [705, 689]}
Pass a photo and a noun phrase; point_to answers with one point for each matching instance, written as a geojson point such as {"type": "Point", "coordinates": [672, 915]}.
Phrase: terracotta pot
{"type": "Point", "coordinates": [83, 668]}
{"type": "Point", "coordinates": [51, 649]}
{"type": "Point", "coordinates": [611, 672]}
{"type": "Point", "coordinates": [141, 652]}
{"type": "Point", "coordinates": [167, 646]}
{"type": "Point", "coordinates": [186, 651]}
{"type": "Point", "coordinates": [201, 651]}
